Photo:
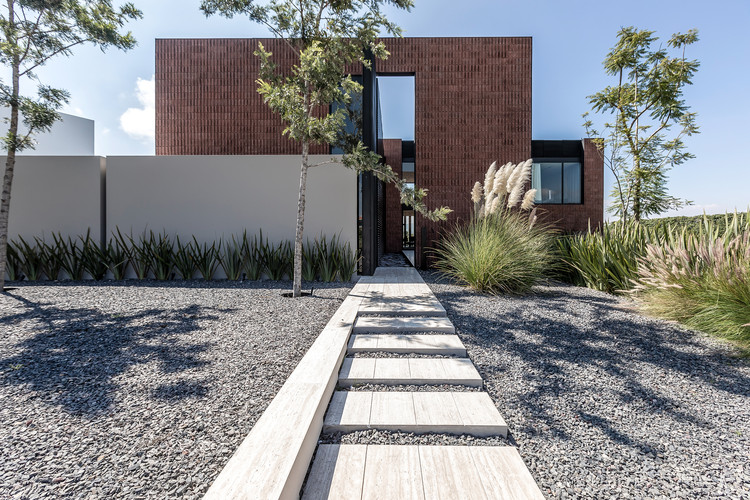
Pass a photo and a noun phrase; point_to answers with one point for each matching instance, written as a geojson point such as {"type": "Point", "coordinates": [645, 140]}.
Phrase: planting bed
{"type": "Point", "coordinates": [143, 389]}
{"type": "Point", "coordinates": [603, 402]}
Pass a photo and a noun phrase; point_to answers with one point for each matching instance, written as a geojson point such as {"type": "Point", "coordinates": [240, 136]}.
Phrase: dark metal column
{"type": "Point", "coordinates": [369, 181]}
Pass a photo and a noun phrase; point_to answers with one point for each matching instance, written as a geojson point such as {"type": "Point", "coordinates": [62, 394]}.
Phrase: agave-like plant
{"type": "Point", "coordinates": [51, 259]}
{"type": "Point", "coordinates": [31, 259]}
{"type": "Point", "coordinates": [183, 259]}
{"type": "Point", "coordinates": [93, 257]}
{"type": "Point", "coordinates": [161, 253]}
{"type": "Point", "coordinates": [206, 258]}
{"type": "Point", "coordinates": [13, 262]}
{"type": "Point", "coordinates": [117, 259]}
{"type": "Point", "coordinates": [231, 259]}
{"type": "Point", "coordinates": [253, 265]}
{"type": "Point", "coordinates": [71, 256]}
{"type": "Point", "coordinates": [309, 261]}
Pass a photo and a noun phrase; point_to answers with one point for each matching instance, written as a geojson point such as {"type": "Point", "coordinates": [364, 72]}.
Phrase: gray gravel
{"type": "Point", "coordinates": [141, 390]}
{"type": "Point", "coordinates": [411, 388]}
{"type": "Point", "coordinates": [605, 403]}
{"type": "Point", "coordinates": [374, 436]}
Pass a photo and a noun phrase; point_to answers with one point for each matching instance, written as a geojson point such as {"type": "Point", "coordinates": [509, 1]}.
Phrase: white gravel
{"type": "Point", "coordinates": [605, 403]}
{"type": "Point", "coordinates": [143, 389]}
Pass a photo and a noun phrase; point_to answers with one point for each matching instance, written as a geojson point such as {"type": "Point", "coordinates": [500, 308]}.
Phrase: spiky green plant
{"type": "Point", "coordinates": [231, 259]}
{"type": "Point", "coordinates": [51, 259]}
{"type": "Point", "coordinates": [117, 259]}
{"type": "Point", "coordinates": [13, 267]}
{"type": "Point", "coordinates": [31, 259]}
{"type": "Point", "coordinates": [279, 260]}
{"type": "Point", "coordinates": [71, 256]}
{"type": "Point", "coordinates": [183, 259]}
{"type": "Point", "coordinates": [347, 262]}
{"type": "Point", "coordinates": [161, 252]}
{"type": "Point", "coordinates": [139, 254]}
{"type": "Point", "coordinates": [326, 257]}
{"type": "Point", "coordinates": [93, 257]}
{"type": "Point", "coordinates": [309, 261]}
{"type": "Point", "coordinates": [206, 258]}
{"type": "Point", "coordinates": [253, 265]}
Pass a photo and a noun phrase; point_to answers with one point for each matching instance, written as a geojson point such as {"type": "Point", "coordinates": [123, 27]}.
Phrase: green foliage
{"type": "Point", "coordinates": [253, 265]}
{"type": "Point", "coordinates": [279, 260]}
{"type": "Point", "coordinates": [647, 102]}
{"type": "Point", "coordinates": [31, 33]}
{"type": "Point", "coordinates": [15, 262]}
{"type": "Point", "coordinates": [499, 253]}
{"type": "Point", "coordinates": [719, 222]}
{"type": "Point", "coordinates": [183, 260]}
{"type": "Point", "coordinates": [31, 263]}
{"type": "Point", "coordinates": [607, 259]}
{"type": "Point", "coordinates": [702, 281]}
{"type": "Point", "coordinates": [70, 255]}
{"type": "Point", "coordinates": [161, 252]}
{"type": "Point", "coordinates": [117, 259]}
{"type": "Point", "coordinates": [309, 262]}
{"type": "Point", "coordinates": [327, 37]}
{"type": "Point", "coordinates": [206, 258]}
{"type": "Point", "coordinates": [347, 262]}
{"type": "Point", "coordinates": [158, 256]}
{"type": "Point", "coordinates": [231, 259]}
{"type": "Point", "coordinates": [51, 261]}
{"type": "Point", "coordinates": [93, 257]}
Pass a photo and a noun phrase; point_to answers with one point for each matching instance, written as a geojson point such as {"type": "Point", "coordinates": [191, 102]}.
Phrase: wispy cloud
{"type": "Point", "coordinates": [139, 123]}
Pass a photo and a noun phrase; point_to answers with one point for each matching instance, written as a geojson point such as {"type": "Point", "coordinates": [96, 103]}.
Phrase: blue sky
{"type": "Point", "coordinates": [571, 39]}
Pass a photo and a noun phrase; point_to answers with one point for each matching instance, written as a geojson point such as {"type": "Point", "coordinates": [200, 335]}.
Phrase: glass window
{"type": "Point", "coordinates": [571, 182]}
{"type": "Point", "coordinates": [556, 182]}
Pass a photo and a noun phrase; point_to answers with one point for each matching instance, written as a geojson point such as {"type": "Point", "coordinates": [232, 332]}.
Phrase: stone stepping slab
{"type": "Point", "coordinates": [442, 412]}
{"type": "Point", "coordinates": [409, 371]}
{"type": "Point", "coordinates": [389, 324]}
{"type": "Point", "coordinates": [402, 304]}
{"type": "Point", "coordinates": [448, 345]}
{"type": "Point", "coordinates": [369, 472]}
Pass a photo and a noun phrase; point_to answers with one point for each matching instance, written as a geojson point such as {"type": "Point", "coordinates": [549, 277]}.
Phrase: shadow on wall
{"type": "Point", "coordinates": [543, 337]}
{"type": "Point", "coordinates": [75, 360]}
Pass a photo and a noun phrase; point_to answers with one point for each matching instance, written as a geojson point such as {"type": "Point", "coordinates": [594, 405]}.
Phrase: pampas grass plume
{"type": "Point", "coordinates": [528, 199]}
{"type": "Point", "coordinates": [476, 193]}
{"type": "Point", "coordinates": [489, 179]}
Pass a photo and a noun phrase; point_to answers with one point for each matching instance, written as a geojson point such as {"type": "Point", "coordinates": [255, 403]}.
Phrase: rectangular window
{"type": "Point", "coordinates": [556, 182]}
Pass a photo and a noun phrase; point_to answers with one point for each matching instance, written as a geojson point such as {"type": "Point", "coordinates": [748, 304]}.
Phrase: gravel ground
{"type": "Point", "coordinates": [141, 390]}
{"type": "Point", "coordinates": [605, 403]}
{"type": "Point", "coordinates": [373, 436]}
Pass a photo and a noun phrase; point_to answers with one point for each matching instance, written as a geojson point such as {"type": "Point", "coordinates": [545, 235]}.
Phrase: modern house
{"type": "Point", "coordinates": [472, 107]}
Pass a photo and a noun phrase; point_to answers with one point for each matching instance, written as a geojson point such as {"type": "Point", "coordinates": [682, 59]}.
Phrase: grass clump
{"type": "Point", "coordinates": [502, 249]}
{"type": "Point", "coordinates": [701, 281]}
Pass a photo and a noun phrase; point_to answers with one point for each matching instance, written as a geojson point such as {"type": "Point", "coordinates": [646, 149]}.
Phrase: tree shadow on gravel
{"type": "Point", "coordinates": [75, 360]}
{"type": "Point", "coordinates": [556, 331]}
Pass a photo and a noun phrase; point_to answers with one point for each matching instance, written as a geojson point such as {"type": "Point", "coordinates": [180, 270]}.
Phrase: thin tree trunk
{"type": "Point", "coordinates": [297, 288]}
{"type": "Point", "coordinates": [10, 164]}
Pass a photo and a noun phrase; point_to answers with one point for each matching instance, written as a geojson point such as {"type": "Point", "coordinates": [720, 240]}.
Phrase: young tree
{"type": "Point", "coordinates": [647, 102]}
{"type": "Point", "coordinates": [33, 32]}
{"type": "Point", "coordinates": [328, 35]}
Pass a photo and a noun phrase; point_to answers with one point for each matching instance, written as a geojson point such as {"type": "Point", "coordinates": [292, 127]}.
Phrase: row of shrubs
{"type": "Point", "coordinates": [159, 256]}
{"type": "Point", "coordinates": [697, 274]}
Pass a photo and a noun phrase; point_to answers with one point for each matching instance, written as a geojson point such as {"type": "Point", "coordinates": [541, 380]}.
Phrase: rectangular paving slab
{"type": "Point", "coordinates": [443, 412]}
{"type": "Point", "coordinates": [390, 324]}
{"type": "Point", "coordinates": [418, 472]}
{"type": "Point", "coordinates": [401, 371]}
{"type": "Point", "coordinates": [448, 345]}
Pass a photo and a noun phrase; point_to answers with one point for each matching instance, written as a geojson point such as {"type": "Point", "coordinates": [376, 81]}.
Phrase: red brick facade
{"type": "Point", "coordinates": [390, 150]}
{"type": "Point", "coordinates": [473, 106]}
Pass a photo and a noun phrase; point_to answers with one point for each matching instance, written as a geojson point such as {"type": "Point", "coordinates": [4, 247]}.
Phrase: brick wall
{"type": "Point", "coordinates": [573, 218]}
{"type": "Point", "coordinates": [391, 152]}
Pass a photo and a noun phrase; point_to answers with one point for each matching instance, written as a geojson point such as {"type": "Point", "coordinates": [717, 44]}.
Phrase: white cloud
{"type": "Point", "coordinates": [139, 123]}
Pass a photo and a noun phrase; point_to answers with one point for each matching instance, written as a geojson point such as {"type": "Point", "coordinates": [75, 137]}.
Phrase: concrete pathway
{"type": "Point", "coordinates": [397, 301]}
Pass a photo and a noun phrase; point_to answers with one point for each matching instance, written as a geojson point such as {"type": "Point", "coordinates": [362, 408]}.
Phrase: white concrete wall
{"type": "Point", "coordinates": [55, 194]}
{"type": "Point", "coordinates": [71, 136]}
{"type": "Point", "coordinates": [216, 196]}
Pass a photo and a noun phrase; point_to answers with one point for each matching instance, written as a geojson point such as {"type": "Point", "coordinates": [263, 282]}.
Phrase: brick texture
{"type": "Point", "coordinates": [391, 152]}
{"type": "Point", "coordinates": [473, 106]}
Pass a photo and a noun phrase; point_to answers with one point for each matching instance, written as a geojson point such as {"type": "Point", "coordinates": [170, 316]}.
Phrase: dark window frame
{"type": "Point", "coordinates": [562, 160]}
